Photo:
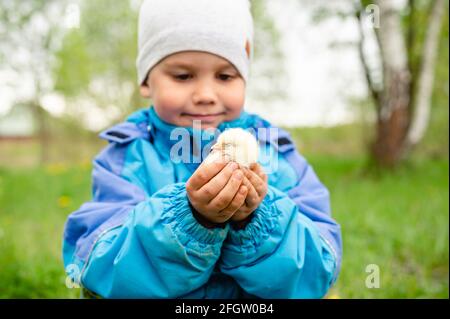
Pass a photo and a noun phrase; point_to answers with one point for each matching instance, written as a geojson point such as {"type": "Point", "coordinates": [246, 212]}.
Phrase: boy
{"type": "Point", "coordinates": [158, 227]}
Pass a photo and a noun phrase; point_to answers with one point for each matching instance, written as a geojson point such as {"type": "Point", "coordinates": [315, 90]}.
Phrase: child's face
{"type": "Point", "coordinates": [194, 85]}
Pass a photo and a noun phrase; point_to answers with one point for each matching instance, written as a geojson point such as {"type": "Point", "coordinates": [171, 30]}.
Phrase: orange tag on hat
{"type": "Point", "coordinates": [247, 48]}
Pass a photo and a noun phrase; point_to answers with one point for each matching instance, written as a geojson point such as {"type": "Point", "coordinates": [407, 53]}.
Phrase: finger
{"type": "Point", "coordinates": [241, 214]}
{"type": "Point", "coordinates": [237, 202]}
{"type": "Point", "coordinates": [257, 168]}
{"type": "Point", "coordinates": [226, 195]}
{"type": "Point", "coordinates": [204, 173]}
{"type": "Point", "coordinates": [252, 195]}
{"type": "Point", "coordinates": [257, 182]}
{"type": "Point", "coordinates": [210, 190]}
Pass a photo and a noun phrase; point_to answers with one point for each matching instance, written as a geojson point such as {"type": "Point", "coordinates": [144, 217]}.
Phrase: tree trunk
{"type": "Point", "coordinates": [392, 124]}
{"type": "Point", "coordinates": [393, 104]}
{"type": "Point", "coordinates": [422, 100]}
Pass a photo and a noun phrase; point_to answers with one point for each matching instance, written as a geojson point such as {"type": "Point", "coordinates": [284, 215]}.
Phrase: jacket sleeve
{"type": "Point", "coordinates": [291, 248]}
{"type": "Point", "coordinates": [130, 244]}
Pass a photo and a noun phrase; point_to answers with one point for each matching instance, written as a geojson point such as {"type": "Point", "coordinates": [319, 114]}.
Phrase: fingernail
{"type": "Point", "coordinates": [233, 166]}
{"type": "Point", "coordinates": [239, 175]}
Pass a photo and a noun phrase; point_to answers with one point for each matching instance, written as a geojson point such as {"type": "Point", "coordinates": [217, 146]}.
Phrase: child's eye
{"type": "Point", "coordinates": [182, 77]}
{"type": "Point", "coordinates": [225, 77]}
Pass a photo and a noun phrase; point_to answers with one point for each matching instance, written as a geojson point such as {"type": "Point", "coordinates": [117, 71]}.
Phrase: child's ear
{"type": "Point", "coordinates": [145, 90]}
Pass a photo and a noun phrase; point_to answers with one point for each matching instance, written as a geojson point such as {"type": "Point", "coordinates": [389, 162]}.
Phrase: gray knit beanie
{"type": "Point", "coordinates": [220, 27]}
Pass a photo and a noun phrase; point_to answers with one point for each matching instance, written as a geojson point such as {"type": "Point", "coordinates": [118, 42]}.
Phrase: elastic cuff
{"type": "Point", "coordinates": [178, 215]}
{"type": "Point", "coordinates": [265, 219]}
{"type": "Point", "coordinates": [333, 256]}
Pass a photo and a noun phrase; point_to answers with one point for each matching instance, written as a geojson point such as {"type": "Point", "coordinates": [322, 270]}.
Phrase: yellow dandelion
{"type": "Point", "coordinates": [86, 164]}
{"type": "Point", "coordinates": [64, 201]}
{"type": "Point", "coordinates": [55, 169]}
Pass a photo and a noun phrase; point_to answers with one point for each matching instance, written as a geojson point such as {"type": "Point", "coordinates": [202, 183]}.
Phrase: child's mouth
{"type": "Point", "coordinates": [204, 117]}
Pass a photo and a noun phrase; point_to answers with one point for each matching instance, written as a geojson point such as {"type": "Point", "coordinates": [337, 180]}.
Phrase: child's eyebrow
{"type": "Point", "coordinates": [180, 65]}
{"type": "Point", "coordinates": [187, 66]}
{"type": "Point", "coordinates": [226, 66]}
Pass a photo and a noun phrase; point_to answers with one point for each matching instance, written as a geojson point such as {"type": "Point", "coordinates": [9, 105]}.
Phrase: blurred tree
{"type": "Point", "coordinates": [403, 99]}
{"type": "Point", "coordinates": [423, 64]}
{"type": "Point", "coordinates": [97, 60]}
{"type": "Point", "coordinates": [29, 35]}
{"type": "Point", "coordinates": [268, 70]}
{"type": "Point", "coordinates": [409, 44]}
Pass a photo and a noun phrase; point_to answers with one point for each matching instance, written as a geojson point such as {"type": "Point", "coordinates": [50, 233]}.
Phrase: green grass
{"type": "Point", "coordinates": [34, 204]}
{"type": "Point", "coordinates": [397, 220]}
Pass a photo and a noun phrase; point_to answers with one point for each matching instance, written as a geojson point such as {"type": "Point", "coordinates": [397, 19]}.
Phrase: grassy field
{"type": "Point", "coordinates": [397, 220]}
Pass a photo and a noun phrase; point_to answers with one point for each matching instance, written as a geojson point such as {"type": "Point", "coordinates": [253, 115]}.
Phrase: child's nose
{"type": "Point", "coordinates": [204, 94]}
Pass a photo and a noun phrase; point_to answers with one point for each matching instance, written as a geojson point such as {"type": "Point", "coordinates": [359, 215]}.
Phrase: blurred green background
{"type": "Point", "coordinates": [393, 216]}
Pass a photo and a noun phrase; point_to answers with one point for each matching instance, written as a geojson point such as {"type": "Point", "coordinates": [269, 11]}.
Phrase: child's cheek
{"type": "Point", "coordinates": [171, 101]}
{"type": "Point", "coordinates": [235, 102]}
{"type": "Point", "coordinates": [166, 108]}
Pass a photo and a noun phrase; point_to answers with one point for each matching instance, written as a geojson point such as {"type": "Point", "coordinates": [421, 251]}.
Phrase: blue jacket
{"type": "Point", "coordinates": [137, 237]}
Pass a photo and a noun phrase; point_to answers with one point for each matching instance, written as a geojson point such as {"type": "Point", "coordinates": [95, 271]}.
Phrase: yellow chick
{"type": "Point", "coordinates": [237, 145]}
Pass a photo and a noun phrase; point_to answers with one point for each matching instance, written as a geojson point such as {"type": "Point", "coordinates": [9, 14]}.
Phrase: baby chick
{"type": "Point", "coordinates": [237, 145]}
